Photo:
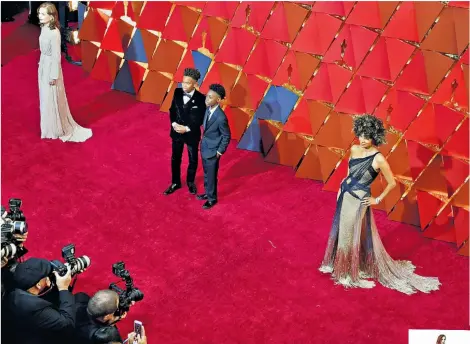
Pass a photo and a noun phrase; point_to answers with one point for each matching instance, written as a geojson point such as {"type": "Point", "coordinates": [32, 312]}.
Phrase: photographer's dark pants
{"type": "Point", "coordinates": [177, 148]}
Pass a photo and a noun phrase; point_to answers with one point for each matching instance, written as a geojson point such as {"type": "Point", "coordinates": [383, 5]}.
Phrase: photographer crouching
{"type": "Point", "coordinates": [38, 304]}
{"type": "Point", "coordinates": [34, 319]}
{"type": "Point", "coordinates": [96, 322]}
{"type": "Point", "coordinates": [41, 308]}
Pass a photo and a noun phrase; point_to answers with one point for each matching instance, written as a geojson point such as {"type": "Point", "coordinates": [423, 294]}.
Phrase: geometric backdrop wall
{"type": "Point", "coordinates": [297, 73]}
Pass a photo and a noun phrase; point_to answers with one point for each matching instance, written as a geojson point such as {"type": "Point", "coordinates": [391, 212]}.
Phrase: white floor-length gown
{"type": "Point", "coordinates": [56, 119]}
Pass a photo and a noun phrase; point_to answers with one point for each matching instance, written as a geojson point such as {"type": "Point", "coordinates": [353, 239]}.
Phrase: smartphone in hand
{"type": "Point", "coordinates": [137, 330]}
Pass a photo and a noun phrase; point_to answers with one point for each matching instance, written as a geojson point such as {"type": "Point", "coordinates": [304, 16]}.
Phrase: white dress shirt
{"type": "Point", "coordinates": [211, 112]}
{"type": "Point", "coordinates": [186, 98]}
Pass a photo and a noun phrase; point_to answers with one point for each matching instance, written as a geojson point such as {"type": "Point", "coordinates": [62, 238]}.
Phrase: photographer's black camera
{"type": "Point", "coordinates": [77, 264]}
{"type": "Point", "coordinates": [12, 222]}
{"type": "Point", "coordinates": [11, 248]}
{"type": "Point", "coordinates": [130, 294]}
{"type": "Point", "coordinates": [15, 227]}
{"type": "Point", "coordinates": [15, 213]}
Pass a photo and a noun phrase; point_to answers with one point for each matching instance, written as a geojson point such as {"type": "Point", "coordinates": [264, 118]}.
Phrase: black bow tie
{"type": "Point", "coordinates": [187, 95]}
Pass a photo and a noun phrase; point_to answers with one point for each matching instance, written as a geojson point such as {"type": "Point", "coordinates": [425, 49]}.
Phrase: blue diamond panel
{"type": "Point", "coordinates": [201, 63]}
{"type": "Point", "coordinates": [81, 13]}
{"type": "Point", "coordinates": [277, 105]}
{"type": "Point", "coordinates": [136, 51]}
{"type": "Point", "coordinates": [251, 139]}
{"type": "Point", "coordinates": [123, 81]}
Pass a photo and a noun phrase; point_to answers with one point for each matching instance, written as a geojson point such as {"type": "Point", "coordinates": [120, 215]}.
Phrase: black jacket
{"type": "Point", "coordinates": [38, 321]}
{"type": "Point", "coordinates": [89, 331]}
{"type": "Point", "coordinates": [190, 114]}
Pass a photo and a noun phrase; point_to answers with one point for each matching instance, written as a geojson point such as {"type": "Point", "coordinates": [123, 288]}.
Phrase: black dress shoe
{"type": "Point", "coordinates": [209, 204]}
{"type": "Point", "coordinates": [192, 189]}
{"type": "Point", "coordinates": [202, 197]}
{"type": "Point", "coordinates": [172, 188]}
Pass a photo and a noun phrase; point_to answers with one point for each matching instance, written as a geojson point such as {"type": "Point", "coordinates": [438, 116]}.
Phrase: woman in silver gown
{"type": "Point", "coordinates": [355, 253]}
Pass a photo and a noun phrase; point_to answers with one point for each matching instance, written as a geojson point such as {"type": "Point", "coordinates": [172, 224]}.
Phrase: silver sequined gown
{"type": "Point", "coordinates": [354, 251]}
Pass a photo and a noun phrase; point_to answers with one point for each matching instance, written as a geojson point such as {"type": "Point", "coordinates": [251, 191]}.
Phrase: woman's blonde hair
{"type": "Point", "coordinates": [52, 11]}
{"type": "Point", "coordinates": [440, 338]}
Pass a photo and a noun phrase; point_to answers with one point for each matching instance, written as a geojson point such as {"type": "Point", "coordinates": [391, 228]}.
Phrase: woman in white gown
{"type": "Point", "coordinates": [56, 119]}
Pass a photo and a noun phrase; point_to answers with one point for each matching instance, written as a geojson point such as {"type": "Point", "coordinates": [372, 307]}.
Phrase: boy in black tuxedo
{"type": "Point", "coordinates": [186, 116]}
{"type": "Point", "coordinates": [214, 143]}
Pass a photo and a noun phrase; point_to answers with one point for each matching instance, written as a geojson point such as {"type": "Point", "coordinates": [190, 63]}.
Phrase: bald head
{"type": "Point", "coordinates": [104, 302]}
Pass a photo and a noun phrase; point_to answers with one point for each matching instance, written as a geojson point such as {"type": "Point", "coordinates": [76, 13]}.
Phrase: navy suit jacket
{"type": "Point", "coordinates": [216, 135]}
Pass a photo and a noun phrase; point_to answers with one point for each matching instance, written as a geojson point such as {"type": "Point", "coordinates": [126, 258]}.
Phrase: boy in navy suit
{"type": "Point", "coordinates": [214, 143]}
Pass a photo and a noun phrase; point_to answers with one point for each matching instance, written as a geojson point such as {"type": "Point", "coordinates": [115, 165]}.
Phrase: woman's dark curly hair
{"type": "Point", "coordinates": [371, 128]}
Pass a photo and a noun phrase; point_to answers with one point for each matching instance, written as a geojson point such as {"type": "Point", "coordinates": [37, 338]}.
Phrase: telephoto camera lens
{"type": "Point", "coordinates": [15, 227]}
{"type": "Point", "coordinates": [8, 251]}
{"type": "Point", "coordinates": [79, 264]}
{"type": "Point", "coordinates": [136, 295]}
{"type": "Point", "coordinates": [19, 227]}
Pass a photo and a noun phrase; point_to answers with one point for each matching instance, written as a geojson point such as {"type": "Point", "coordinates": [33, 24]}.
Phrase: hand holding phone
{"type": "Point", "coordinates": [137, 331]}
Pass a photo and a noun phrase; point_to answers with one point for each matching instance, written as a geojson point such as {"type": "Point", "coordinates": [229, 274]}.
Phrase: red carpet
{"type": "Point", "coordinates": [244, 272]}
{"type": "Point", "coordinates": [18, 38]}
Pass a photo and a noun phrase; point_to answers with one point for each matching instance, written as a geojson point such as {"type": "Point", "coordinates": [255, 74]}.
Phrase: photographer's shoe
{"type": "Point", "coordinates": [209, 204]}
{"type": "Point", "coordinates": [192, 188]}
{"type": "Point", "coordinates": [172, 188]}
{"type": "Point", "coordinates": [202, 197]}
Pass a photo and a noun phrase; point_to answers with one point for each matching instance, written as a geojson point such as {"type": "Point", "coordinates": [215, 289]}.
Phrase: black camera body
{"type": "Point", "coordinates": [130, 294]}
{"type": "Point", "coordinates": [15, 213]}
{"type": "Point", "coordinates": [59, 267]}
{"type": "Point", "coordinates": [76, 264]}
{"type": "Point", "coordinates": [10, 247]}
{"type": "Point", "coordinates": [12, 222]}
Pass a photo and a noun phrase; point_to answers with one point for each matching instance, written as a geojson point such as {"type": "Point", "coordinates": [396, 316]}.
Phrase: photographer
{"type": "Point", "coordinates": [9, 265]}
{"type": "Point", "coordinates": [96, 321]}
{"type": "Point", "coordinates": [36, 320]}
{"type": "Point", "coordinates": [13, 234]}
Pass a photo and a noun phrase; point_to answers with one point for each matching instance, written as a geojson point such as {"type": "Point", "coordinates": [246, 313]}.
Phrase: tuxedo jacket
{"type": "Point", "coordinates": [190, 114]}
{"type": "Point", "coordinates": [216, 135]}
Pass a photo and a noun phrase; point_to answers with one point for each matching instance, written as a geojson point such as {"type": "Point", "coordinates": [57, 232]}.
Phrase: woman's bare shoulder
{"type": "Point", "coordinates": [380, 157]}
{"type": "Point", "coordinates": [355, 148]}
